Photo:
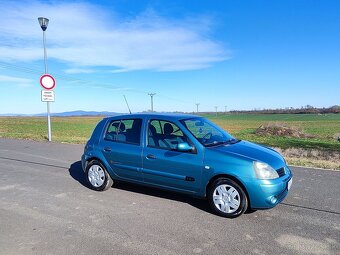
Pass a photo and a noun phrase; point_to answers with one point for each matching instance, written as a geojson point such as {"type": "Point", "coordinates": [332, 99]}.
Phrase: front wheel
{"type": "Point", "coordinates": [97, 176]}
{"type": "Point", "coordinates": [227, 198]}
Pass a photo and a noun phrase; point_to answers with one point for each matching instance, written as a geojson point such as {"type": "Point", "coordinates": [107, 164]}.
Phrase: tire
{"type": "Point", "coordinates": [227, 198]}
{"type": "Point", "coordinates": [97, 176]}
{"type": "Point", "coordinates": [250, 210]}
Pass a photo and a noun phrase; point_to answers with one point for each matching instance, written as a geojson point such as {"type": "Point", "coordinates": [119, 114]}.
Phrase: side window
{"type": "Point", "coordinates": [126, 131]}
{"type": "Point", "coordinates": [112, 131]}
{"type": "Point", "coordinates": [165, 135]}
{"type": "Point", "coordinates": [174, 129]}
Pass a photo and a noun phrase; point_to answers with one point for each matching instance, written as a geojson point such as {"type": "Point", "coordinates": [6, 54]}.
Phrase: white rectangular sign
{"type": "Point", "coordinates": [47, 96]}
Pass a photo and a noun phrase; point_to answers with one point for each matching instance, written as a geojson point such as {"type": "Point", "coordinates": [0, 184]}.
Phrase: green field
{"type": "Point", "coordinates": [323, 150]}
{"type": "Point", "coordinates": [324, 128]}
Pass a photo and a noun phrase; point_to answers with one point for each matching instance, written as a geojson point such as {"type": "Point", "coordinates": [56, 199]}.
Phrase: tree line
{"type": "Point", "coordinates": [291, 110]}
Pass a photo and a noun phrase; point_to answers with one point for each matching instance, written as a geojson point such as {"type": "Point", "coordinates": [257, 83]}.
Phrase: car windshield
{"type": "Point", "coordinates": [207, 133]}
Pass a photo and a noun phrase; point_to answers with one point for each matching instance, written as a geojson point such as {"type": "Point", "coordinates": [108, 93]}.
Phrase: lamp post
{"type": "Point", "coordinates": [43, 22]}
{"type": "Point", "coordinates": [151, 95]}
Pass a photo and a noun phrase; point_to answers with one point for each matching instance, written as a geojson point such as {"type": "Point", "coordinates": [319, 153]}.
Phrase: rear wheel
{"type": "Point", "coordinates": [227, 198]}
{"type": "Point", "coordinates": [97, 176]}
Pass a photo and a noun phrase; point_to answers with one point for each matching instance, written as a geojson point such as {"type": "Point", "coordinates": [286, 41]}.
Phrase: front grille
{"type": "Point", "coordinates": [281, 171]}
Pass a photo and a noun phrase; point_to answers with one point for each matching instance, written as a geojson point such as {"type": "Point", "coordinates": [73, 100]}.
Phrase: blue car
{"type": "Point", "coordinates": [187, 154]}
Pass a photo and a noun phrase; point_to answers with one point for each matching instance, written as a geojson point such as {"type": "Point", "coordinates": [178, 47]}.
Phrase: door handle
{"type": "Point", "coordinates": [150, 156]}
{"type": "Point", "coordinates": [107, 149]}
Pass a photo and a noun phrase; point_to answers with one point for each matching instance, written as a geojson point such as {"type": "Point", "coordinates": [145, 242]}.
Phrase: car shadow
{"type": "Point", "coordinates": [76, 172]}
{"type": "Point", "coordinates": [155, 192]}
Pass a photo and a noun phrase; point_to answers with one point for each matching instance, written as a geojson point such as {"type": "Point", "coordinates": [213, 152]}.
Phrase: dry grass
{"type": "Point", "coordinates": [281, 129]}
{"type": "Point", "coordinates": [311, 158]}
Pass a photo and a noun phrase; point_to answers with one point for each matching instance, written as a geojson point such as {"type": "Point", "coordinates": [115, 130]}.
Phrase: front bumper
{"type": "Point", "coordinates": [264, 194]}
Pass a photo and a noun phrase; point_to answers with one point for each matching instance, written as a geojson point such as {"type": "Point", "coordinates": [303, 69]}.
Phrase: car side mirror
{"type": "Point", "coordinates": [184, 147]}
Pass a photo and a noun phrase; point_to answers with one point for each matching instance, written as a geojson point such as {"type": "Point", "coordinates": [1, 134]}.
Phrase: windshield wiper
{"type": "Point", "coordinates": [216, 143]}
{"type": "Point", "coordinates": [233, 141]}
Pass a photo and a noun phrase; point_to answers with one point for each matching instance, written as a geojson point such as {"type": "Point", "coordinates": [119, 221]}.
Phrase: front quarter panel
{"type": "Point", "coordinates": [217, 163]}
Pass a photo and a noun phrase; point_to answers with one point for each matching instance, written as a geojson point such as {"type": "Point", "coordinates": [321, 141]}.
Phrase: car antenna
{"type": "Point", "coordinates": [127, 104]}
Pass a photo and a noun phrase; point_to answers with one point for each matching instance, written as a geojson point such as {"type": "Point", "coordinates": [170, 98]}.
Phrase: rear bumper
{"type": "Point", "coordinates": [83, 161]}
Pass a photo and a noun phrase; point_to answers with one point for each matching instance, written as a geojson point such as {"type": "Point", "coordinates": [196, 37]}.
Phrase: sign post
{"type": "Point", "coordinates": [46, 81]}
{"type": "Point", "coordinates": [47, 95]}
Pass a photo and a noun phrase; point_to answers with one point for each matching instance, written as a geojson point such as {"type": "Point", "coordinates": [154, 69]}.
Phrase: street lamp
{"type": "Point", "coordinates": [43, 24]}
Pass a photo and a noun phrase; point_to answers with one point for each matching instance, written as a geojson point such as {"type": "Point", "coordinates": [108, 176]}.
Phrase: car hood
{"type": "Point", "coordinates": [252, 151]}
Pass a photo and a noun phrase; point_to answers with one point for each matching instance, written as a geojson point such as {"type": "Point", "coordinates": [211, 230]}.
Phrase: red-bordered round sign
{"type": "Point", "coordinates": [47, 81]}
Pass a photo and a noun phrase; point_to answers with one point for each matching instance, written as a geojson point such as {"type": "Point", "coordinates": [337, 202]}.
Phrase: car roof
{"type": "Point", "coordinates": [168, 116]}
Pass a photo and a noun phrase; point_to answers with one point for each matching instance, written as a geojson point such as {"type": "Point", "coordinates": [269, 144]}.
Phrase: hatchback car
{"type": "Point", "coordinates": [187, 154]}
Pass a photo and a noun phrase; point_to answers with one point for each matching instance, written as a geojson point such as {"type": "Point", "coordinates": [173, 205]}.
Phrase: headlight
{"type": "Point", "coordinates": [264, 171]}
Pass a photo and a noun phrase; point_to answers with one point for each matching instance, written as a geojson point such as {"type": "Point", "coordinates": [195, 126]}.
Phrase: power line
{"type": "Point", "coordinates": [64, 77]}
{"type": "Point", "coordinates": [88, 83]}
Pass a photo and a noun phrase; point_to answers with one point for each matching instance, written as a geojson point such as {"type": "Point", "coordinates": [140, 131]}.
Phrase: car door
{"type": "Point", "coordinates": [165, 166]}
{"type": "Point", "coordinates": [122, 148]}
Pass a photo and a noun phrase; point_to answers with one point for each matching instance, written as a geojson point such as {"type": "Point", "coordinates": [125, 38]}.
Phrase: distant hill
{"type": "Point", "coordinates": [81, 113]}
{"type": "Point", "coordinates": [68, 114]}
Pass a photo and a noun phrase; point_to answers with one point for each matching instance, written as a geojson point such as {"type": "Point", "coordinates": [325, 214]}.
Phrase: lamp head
{"type": "Point", "coordinates": [43, 23]}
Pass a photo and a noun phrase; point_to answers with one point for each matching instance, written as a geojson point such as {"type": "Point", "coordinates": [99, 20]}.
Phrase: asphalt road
{"type": "Point", "coordinates": [46, 208]}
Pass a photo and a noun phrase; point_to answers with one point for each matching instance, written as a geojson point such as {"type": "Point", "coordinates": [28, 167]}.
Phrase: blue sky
{"type": "Point", "coordinates": [239, 54]}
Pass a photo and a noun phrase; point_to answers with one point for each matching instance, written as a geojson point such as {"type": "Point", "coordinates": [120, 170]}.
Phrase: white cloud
{"type": "Point", "coordinates": [85, 36]}
{"type": "Point", "coordinates": [79, 70]}
{"type": "Point", "coordinates": [18, 81]}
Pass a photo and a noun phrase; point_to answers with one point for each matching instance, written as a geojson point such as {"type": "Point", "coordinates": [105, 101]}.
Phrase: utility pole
{"type": "Point", "coordinates": [216, 110]}
{"type": "Point", "coordinates": [197, 104]}
{"type": "Point", "coordinates": [225, 109]}
{"type": "Point", "coordinates": [151, 95]}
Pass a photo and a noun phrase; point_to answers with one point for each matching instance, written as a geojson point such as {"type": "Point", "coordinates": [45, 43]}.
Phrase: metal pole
{"type": "Point", "coordinates": [48, 103]}
{"type": "Point", "coordinates": [45, 53]}
{"type": "Point", "coordinates": [216, 110]}
{"type": "Point", "coordinates": [197, 107]}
